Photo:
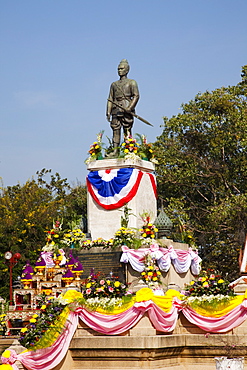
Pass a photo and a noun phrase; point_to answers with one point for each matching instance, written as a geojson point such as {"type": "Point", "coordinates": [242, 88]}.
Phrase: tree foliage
{"type": "Point", "coordinates": [27, 211]}
{"type": "Point", "coordinates": [202, 172]}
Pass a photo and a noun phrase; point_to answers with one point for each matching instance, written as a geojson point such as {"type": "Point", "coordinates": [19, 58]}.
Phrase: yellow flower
{"type": "Point", "coordinates": [155, 278]}
{"type": "Point", "coordinates": [203, 279]}
{"type": "Point", "coordinates": [23, 330]}
{"type": "Point", "coordinates": [144, 235]}
{"type": "Point", "coordinates": [43, 307]}
{"type": "Point", "coordinates": [6, 367]}
{"type": "Point", "coordinates": [108, 282]}
{"type": "Point", "coordinates": [56, 236]}
{"type": "Point", "coordinates": [150, 267]}
{"type": "Point", "coordinates": [152, 236]}
{"type": "Point", "coordinates": [88, 285]}
{"type": "Point", "coordinates": [126, 150]}
{"type": "Point", "coordinates": [96, 147]}
{"type": "Point", "coordinates": [6, 353]}
{"type": "Point", "coordinates": [150, 273]}
{"type": "Point", "coordinates": [35, 315]}
{"type": "Point", "coordinates": [117, 284]}
{"type": "Point", "coordinates": [192, 282]}
{"type": "Point", "coordinates": [220, 281]}
{"type": "Point", "coordinates": [158, 273]}
{"type": "Point", "coordinates": [32, 320]}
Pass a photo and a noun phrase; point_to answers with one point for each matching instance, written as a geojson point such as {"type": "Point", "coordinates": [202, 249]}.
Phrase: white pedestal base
{"type": "Point", "coordinates": [104, 223]}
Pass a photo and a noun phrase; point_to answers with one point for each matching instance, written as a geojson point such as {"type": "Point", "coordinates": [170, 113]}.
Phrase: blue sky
{"type": "Point", "coordinates": [59, 57]}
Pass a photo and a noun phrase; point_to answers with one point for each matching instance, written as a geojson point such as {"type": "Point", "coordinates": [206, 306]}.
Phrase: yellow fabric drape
{"type": "Point", "coordinates": [222, 309]}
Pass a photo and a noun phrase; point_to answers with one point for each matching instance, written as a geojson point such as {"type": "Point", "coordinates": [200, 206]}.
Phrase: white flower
{"type": "Point", "coordinates": [62, 300]}
{"type": "Point", "coordinates": [133, 157]}
{"type": "Point", "coordinates": [48, 248]}
{"type": "Point", "coordinates": [104, 302]}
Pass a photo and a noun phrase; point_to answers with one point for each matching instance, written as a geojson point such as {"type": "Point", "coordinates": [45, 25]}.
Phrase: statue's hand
{"type": "Point", "coordinates": [108, 117]}
{"type": "Point", "coordinates": [128, 110]}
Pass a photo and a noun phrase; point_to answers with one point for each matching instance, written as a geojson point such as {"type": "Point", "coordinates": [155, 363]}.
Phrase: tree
{"type": "Point", "coordinates": [27, 211]}
{"type": "Point", "coordinates": [202, 172]}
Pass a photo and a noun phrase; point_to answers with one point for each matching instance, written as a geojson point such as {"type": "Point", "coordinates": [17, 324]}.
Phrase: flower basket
{"type": "Point", "coordinates": [224, 363]}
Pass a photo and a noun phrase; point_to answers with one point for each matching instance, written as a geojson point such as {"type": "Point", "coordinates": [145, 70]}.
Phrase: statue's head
{"type": "Point", "coordinates": [123, 67]}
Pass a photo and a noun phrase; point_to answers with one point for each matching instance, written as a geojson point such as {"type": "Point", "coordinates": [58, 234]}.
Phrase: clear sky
{"type": "Point", "coordinates": [59, 57]}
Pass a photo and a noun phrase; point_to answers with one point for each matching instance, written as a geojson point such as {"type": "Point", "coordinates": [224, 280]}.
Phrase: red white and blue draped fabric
{"type": "Point", "coordinates": [114, 188]}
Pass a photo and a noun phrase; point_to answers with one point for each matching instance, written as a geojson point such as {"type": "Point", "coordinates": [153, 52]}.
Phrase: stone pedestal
{"type": "Point", "coordinates": [104, 223]}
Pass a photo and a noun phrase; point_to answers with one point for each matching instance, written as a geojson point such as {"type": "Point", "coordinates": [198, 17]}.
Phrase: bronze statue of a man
{"type": "Point", "coordinates": [125, 94]}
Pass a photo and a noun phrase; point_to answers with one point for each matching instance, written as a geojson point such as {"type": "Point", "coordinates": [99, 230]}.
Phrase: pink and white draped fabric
{"type": "Point", "coordinates": [218, 324]}
{"type": "Point", "coordinates": [117, 324]}
{"type": "Point", "coordinates": [48, 358]}
{"type": "Point", "coordinates": [181, 260]}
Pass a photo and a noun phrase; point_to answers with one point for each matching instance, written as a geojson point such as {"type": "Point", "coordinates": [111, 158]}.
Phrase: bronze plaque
{"type": "Point", "coordinates": [107, 263]}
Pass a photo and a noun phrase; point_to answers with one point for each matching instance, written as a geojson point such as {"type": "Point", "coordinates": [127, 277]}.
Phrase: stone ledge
{"type": "Point", "coordinates": [114, 163]}
{"type": "Point", "coordinates": [184, 351]}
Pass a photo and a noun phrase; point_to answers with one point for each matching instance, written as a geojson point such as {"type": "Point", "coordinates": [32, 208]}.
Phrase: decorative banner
{"type": "Point", "coordinates": [113, 188]}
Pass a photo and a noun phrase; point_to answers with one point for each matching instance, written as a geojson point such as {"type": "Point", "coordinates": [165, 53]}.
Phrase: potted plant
{"type": "Point", "coordinates": [231, 360]}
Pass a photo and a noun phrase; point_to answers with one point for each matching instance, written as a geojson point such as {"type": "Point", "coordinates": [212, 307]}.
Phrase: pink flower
{"type": "Point", "coordinates": [111, 289]}
{"type": "Point", "coordinates": [88, 291]}
{"type": "Point", "coordinates": [102, 282]}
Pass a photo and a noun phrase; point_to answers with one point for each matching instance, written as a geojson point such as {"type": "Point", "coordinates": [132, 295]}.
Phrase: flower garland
{"type": "Point", "coordinates": [129, 145]}
{"type": "Point", "coordinates": [151, 274]}
{"type": "Point", "coordinates": [208, 283]}
{"type": "Point", "coordinates": [95, 150]}
{"type": "Point", "coordinates": [3, 324]}
{"type": "Point", "coordinates": [99, 242]}
{"type": "Point", "coordinates": [148, 229]}
{"type": "Point", "coordinates": [96, 286]}
{"type": "Point", "coordinates": [74, 237]}
{"type": "Point", "coordinates": [57, 238]}
{"type": "Point", "coordinates": [146, 150]}
{"type": "Point", "coordinates": [127, 236]}
{"type": "Point", "coordinates": [49, 318]}
{"type": "Point", "coordinates": [130, 148]}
